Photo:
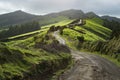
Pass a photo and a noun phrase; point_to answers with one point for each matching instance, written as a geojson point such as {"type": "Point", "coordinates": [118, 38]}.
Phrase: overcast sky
{"type": "Point", "coordinates": [101, 7]}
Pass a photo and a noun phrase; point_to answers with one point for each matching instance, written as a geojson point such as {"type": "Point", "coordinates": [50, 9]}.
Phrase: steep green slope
{"type": "Point", "coordinates": [21, 59]}
{"type": "Point", "coordinates": [94, 37]}
{"type": "Point", "coordinates": [17, 63]}
{"type": "Point", "coordinates": [97, 29]}
{"type": "Point", "coordinates": [91, 31]}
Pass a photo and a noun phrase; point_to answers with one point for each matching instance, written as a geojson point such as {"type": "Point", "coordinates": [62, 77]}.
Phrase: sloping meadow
{"type": "Point", "coordinates": [20, 59]}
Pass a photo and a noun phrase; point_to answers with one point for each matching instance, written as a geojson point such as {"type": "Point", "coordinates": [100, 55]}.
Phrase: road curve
{"type": "Point", "coordinates": [89, 66]}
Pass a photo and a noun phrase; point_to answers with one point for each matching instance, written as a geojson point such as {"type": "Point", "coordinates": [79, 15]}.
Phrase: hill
{"type": "Point", "coordinates": [72, 14]}
{"type": "Point", "coordinates": [91, 15]}
{"type": "Point", "coordinates": [110, 18]}
{"type": "Point", "coordinates": [20, 17]}
{"type": "Point", "coordinates": [91, 31]}
{"type": "Point", "coordinates": [16, 17]}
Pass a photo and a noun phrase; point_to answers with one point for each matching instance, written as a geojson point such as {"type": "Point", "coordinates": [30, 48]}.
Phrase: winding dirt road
{"type": "Point", "coordinates": [89, 66]}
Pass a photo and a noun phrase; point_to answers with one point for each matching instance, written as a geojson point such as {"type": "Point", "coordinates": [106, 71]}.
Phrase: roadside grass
{"type": "Point", "coordinates": [70, 37]}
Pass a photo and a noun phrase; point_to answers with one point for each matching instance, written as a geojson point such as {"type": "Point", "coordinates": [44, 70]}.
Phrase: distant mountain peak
{"type": "Point", "coordinates": [17, 11]}
{"type": "Point", "coordinates": [91, 14]}
{"type": "Point", "coordinates": [73, 10]}
{"type": "Point", "coordinates": [72, 13]}
{"type": "Point", "coordinates": [110, 18]}
{"type": "Point", "coordinates": [20, 12]}
{"type": "Point", "coordinates": [16, 17]}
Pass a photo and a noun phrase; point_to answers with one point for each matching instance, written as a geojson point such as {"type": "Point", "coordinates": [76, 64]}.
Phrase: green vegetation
{"type": "Point", "coordinates": [60, 23]}
{"type": "Point", "coordinates": [17, 63]}
{"type": "Point", "coordinates": [97, 29]}
{"type": "Point", "coordinates": [20, 59]}
{"type": "Point", "coordinates": [95, 38]}
{"type": "Point", "coordinates": [32, 53]}
{"type": "Point", "coordinates": [114, 26]}
{"type": "Point", "coordinates": [111, 47]}
{"type": "Point", "coordinates": [48, 20]}
{"type": "Point", "coordinates": [19, 29]}
{"type": "Point", "coordinates": [91, 31]}
{"type": "Point", "coordinates": [97, 20]}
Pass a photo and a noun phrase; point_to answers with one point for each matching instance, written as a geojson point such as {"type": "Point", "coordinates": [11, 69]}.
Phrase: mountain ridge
{"type": "Point", "coordinates": [15, 18]}
{"type": "Point", "coordinates": [110, 18]}
{"type": "Point", "coordinates": [20, 17]}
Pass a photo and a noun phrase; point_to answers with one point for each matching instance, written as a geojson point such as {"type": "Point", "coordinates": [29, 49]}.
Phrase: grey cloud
{"type": "Point", "coordinates": [110, 7]}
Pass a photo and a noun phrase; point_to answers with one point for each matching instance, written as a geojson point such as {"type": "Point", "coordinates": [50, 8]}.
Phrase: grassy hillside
{"type": "Point", "coordinates": [17, 63]}
{"type": "Point", "coordinates": [46, 20]}
{"type": "Point", "coordinates": [20, 59]}
{"type": "Point", "coordinates": [95, 38]}
{"type": "Point", "coordinates": [91, 31]}
{"type": "Point", "coordinates": [36, 54]}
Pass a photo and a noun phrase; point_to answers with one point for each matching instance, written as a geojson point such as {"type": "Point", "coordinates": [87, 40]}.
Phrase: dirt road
{"type": "Point", "coordinates": [89, 67]}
